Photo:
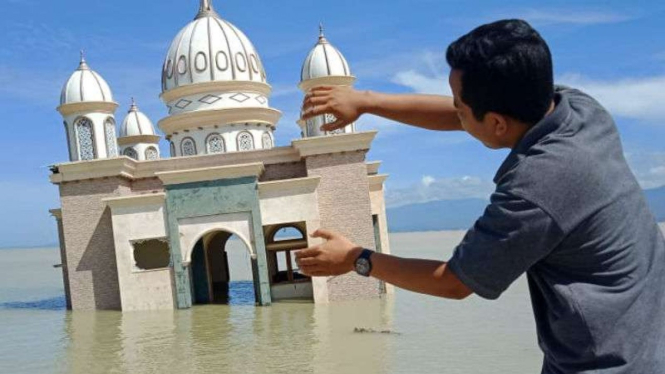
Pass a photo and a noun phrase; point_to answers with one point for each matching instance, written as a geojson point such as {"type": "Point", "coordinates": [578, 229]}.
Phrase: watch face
{"type": "Point", "coordinates": [362, 266]}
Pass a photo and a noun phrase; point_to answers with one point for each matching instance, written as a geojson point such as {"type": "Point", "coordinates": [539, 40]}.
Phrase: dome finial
{"type": "Point", "coordinates": [133, 107]}
{"type": "Point", "coordinates": [206, 9]}
{"type": "Point", "coordinates": [82, 64]}
{"type": "Point", "coordinates": [322, 38]}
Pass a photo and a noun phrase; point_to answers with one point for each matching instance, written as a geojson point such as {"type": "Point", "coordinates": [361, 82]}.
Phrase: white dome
{"type": "Point", "coordinates": [324, 61]}
{"type": "Point", "coordinates": [85, 85]}
{"type": "Point", "coordinates": [136, 123]}
{"type": "Point", "coordinates": [210, 49]}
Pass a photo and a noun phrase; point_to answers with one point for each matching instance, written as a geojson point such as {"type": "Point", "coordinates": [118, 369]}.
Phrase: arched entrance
{"type": "Point", "coordinates": [213, 259]}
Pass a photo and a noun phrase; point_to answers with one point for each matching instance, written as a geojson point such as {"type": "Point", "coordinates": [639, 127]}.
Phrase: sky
{"type": "Point", "coordinates": [614, 50]}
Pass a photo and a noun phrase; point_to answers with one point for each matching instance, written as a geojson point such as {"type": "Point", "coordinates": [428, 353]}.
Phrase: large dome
{"type": "Point", "coordinates": [85, 85]}
{"type": "Point", "coordinates": [324, 60]}
{"type": "Point", "coordinates": [210, 49]}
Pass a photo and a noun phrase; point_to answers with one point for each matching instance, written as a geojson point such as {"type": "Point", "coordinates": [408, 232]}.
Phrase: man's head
{"type": "Point", "coordinates": [502, 81]}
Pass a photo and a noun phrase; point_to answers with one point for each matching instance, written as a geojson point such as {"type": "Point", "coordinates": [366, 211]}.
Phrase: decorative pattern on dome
{"type": "Point", "coordinates": [187, 147]}
{"type": "Point", "coordinates": [266, 140]}
{"type": "Point", "coordinates": [111, 146]}
{"type": "Point", "coordinates": [151, 154]}
{"type": "Point", "coordinates": [85, 139]}
{"type": "Point", "coordinates": [245, 141]}
{"type": "Point", "coordinates": [215, 143]}
{"type": "Point", "coordinates": [85, 85]}
{"type": "Point", "coordinates": [136, 123]}
{"type": "Point", "coordinates": [131, 153]}
{"type": "Point", "coordinates": [324, 60]}
{"type": "Point", "coordinates": [210, 49]}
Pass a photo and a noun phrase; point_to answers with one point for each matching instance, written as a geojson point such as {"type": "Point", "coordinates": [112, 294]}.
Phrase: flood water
{"type": "Point", "coordinates": [428, 335]}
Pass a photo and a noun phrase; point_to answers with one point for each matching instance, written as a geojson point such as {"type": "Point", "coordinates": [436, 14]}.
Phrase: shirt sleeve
{"type": "Point", "coordinates": [511, 236]}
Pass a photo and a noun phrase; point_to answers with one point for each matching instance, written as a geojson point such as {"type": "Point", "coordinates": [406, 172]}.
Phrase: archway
{"type": "Point", "coordinates": [215, 257]}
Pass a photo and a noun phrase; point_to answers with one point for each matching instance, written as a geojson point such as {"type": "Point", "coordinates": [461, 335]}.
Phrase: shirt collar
{"type": "Point", "coordinates": [549, 124]}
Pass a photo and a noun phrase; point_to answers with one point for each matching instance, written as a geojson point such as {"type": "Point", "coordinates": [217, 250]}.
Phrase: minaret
{"type": "Point", "coordinates": [324, 65]}
{"type": "Point", "coordinates": [87, 107]}
{"type": "Point", "coordinates": [137, 136]}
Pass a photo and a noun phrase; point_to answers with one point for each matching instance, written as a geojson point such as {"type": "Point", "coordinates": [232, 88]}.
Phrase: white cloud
{"type": "Point", "coordinates": [423, 83]}
{"type": "Point", "coordinates": [638, 98]}
{"type": "Point", "coordinates": [427, 180]}
{"type": "Point", "coordinates": [569, 16]}
{"type": "Point", "coordinates": [648, 167]}
{"type": "Point", "coordinates": [433, 189]}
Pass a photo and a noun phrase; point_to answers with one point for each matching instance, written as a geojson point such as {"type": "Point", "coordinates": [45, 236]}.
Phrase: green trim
{"type": "Point", "coordinates": [208, 198]}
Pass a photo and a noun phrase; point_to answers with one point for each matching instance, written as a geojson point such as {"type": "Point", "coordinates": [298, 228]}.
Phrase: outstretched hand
{"type": "Point", "coordinates": [344, 102]}
{"type": "Point", "coordinates": [336, 256]}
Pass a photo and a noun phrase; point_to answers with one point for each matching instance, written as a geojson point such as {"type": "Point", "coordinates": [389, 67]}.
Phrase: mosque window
{"type": "Point", "coordinates": [310, 127]}
{"type": "Point", "coordinates": [85, 138]}
{"type": "Point", "coordinates": [109, 130]}
{"type": "Point", "coordinates": [188, 147]}
{"type": "Point", "coordinates": [245, 141]}
{"type": "Point", "coordinates": [151, 254]}
{"type": "Point", "coordinates": [281, 241]}
{"type": "Point", "coordinates": [266, 140]}
{"type": "Point", "coordinates": [151, 153]}
{"type": "Point", "coordinates": [172, 149]}
{"type": "Point", "coordinates": [215, 143]}
{"type": "Point", "coordinates": [131, 153]}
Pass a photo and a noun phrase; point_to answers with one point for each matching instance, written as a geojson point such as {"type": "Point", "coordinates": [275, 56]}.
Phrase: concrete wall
{"type": "Point", "coordinates": [379, 209]}
{"type": "Point", "coordinates": [344, 206]}
{"type": "Point", "coordinates": [294, 204]}
{"type": "Point", "coordinates": [88, 240]}
{"type": "Point", "coordinates": [140, 289]}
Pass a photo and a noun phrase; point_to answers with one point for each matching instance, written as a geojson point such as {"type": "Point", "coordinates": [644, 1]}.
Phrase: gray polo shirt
{"type": "Point", "coordinates": [568, 211]}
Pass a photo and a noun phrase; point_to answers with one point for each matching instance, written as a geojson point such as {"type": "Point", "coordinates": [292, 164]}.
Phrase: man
{"type": "Point", "coordinates": [567, 210]}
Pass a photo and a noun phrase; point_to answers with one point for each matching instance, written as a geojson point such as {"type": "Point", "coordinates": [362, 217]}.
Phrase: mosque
{"type": "Point", "coordinates": [139, 231]}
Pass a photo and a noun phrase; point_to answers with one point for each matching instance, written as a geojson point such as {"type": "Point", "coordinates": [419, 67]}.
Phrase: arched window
{"type": "Point", "coordinates": [215, 143]}
{"type": "Point", "coordinates": [69, 140]}
{"type": "Point", "coordinates": [151, 153]}
{"type": "Point", "coordinates": [85, 139]}
{"type": "Point", "coordinates": [109, 130]}
{"type": "Point", "coordinates": [131, 153]}
{"type": "Point", "coordinates": [245, 141]}
{"type": "Point", "coordinates": [172, 149]}
{"type": "Point", "coordinates": [266, 139]}
{"type": "Point", "coordinates": [188, 147]}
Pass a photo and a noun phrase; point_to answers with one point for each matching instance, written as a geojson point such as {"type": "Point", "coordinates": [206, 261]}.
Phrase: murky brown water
{"type": "Point", "coordinates": [432, 335]}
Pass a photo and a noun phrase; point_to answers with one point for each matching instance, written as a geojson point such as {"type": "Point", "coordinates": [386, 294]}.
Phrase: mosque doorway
{"type": "Point", "coordinates": [222, 271]}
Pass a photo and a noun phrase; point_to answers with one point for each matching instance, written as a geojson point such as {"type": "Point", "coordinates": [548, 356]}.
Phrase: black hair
{"type": "Point", "coordinates": [506, 68]}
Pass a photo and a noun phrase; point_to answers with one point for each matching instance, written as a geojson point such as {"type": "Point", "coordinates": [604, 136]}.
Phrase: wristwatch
{"type": "Point", "coordinates": [363, 264]}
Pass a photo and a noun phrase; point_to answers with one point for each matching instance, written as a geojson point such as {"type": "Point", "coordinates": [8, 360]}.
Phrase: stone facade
{"type": "Point", "coordinates": [88, 235]}
{"type": "Point", "coordinates": [344, 205]}
{"type": "Point", "coordinates": [109, 204]}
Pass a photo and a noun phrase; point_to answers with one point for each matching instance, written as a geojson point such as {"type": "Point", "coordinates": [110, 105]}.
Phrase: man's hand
{"type": "Point", "coordinates": [334, 257]}
{"type": "Point", "coordinates": [344, 102]}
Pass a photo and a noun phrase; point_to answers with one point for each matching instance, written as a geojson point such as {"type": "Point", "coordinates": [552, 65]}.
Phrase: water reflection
{"type": "Point", "coordinates": [240, 338]}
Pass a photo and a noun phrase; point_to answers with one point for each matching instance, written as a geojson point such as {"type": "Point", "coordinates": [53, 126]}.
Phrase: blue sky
{"type": "Point", "coordinates": [614, 50]}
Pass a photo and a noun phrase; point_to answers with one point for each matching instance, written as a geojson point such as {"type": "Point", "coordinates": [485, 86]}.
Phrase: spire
{"type": "Point", "coordinates": [83, 65]}
{"type": "Point", "coordinates": [206, 9]}
{"type": "Point", "coordinates": [322, 38]}
{"type": "Point", "coordinates": [133, 107]}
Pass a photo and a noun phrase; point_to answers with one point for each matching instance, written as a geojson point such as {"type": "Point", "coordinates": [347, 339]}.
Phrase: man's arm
{"type": "Point", "coordinates": [431, 112]}
{"type": "Point", "coordinates": [337, 256]}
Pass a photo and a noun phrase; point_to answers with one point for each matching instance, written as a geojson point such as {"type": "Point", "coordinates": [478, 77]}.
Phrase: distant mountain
{"type": "Point", "coordinates": [462, 214]}
{"type": "Point", "coordinates": [436, 215]}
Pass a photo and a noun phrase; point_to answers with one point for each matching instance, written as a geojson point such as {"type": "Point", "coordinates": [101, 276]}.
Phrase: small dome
{"type": "Point", "coordinates": [85, 85]}
{"type": "Point", "coordinates": [210, 49]}
{"type": "Point", "coordinates": [136, 123]}
{"type": "Point", "coordinates": [324, 61]}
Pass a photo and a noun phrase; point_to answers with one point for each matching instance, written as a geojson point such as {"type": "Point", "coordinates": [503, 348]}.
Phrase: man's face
{"type": "Point", "coordinates": [481, 130]}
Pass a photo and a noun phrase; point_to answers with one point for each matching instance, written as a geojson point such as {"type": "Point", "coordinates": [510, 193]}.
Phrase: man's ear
{"type": "Point", "coordinates": [498, 123]}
